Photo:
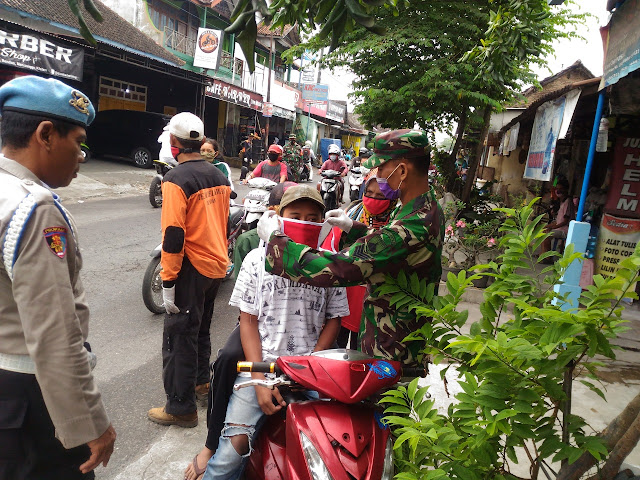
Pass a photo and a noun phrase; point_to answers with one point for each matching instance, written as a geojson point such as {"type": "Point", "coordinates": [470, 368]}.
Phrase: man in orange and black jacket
{"type": "Point", "coordinates": [195, 212]}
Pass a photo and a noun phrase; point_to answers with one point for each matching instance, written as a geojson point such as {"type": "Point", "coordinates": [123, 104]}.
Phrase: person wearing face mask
{"type": "Point", "coordinates": [411, 243]}
{"type": "Point", "coordinates": [273, 168]}
{"type": "Point", "coordinates": [210, 151]}
{"type": "Point", "coordinates": [372, 210]}
{"type": "Point", "coordinates": [335, 163]}
{"type": "Point", "coordinates": [194, 260]}
{"type": "Point", "coordinates": [277, 317]}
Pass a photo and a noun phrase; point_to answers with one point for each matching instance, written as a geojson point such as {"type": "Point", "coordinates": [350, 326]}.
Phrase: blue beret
{"type": "Point", "coordinates": [47, 97]}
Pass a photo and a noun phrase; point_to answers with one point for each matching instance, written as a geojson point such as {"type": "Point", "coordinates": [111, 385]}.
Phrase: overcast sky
{"type": "Point", "coordinates": [589, 51]}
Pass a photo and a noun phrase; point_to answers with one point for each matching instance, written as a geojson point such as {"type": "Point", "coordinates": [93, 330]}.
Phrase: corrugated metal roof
{"type": "Point", "coordinates": [114, 30]}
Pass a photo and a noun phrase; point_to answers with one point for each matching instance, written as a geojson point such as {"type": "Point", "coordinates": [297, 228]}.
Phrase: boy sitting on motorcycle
{"type": "Point", "coordinates": [276, 318]}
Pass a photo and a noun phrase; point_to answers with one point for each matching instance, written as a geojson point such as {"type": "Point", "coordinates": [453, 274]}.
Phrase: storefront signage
{"type": "Point", "coordinates": [624, 186]}
{"type": "Point", "coordinates": [283, 113]}
{"type": "Point", "coordinates": [233, 94]}
{"type": "Point", "coordinates": [336, 111]}
{"type": "Point", "coordinates": [208, 48]}
{"type": "Point", "coordinates": [40, 54]}
{"type": "Point", "coordinates": [267, 109]}
{"type": "Point", "coordinates": [315, 92]}
{"type": "Point", "coordinates": [617, 240]}
{"type": "Point", "coordinates": [621, 43]}
{"type": "Point", "coordinates": [319, 108]}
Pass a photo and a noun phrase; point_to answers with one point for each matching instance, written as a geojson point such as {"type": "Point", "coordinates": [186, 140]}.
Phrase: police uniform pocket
{"type": "Point", "coordinates": [12, 413]}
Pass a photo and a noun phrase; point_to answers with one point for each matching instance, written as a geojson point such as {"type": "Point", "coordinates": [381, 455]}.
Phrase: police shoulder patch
{"type": "Point", "coordinates": [56, 238]}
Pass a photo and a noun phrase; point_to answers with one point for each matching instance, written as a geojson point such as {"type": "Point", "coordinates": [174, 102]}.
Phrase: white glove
{"type": "Point", "coordinates": [338, 218]}
{"type": "Point", "coordinates": [268, 224]}
{"type": "Point", "coordinates": [169, 297]}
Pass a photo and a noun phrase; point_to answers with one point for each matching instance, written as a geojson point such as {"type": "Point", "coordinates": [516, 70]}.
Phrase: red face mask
{"type": "Point", "coordinates": [175, 151]}
{"type": "Point", "coordinates": [306, 233]}
{"type": "Point", "coordinates": [376, 206]}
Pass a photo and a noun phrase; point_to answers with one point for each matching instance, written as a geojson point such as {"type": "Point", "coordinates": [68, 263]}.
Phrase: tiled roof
{"type": "Point", "coordinates": [113, 28]}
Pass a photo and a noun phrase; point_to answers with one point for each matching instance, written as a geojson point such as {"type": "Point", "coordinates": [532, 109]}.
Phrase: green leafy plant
{"type": "Point", "coordinates": [515, 369]}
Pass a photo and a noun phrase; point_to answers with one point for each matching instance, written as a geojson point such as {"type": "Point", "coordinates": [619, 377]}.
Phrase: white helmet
{"type": "Point", "coordinates": [333, 148]}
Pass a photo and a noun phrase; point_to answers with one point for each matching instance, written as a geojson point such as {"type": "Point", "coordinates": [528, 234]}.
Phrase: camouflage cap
{"type": "Point", "coordinates": [301, 192]}
{"type": "Point", "coordinates": [405, 143]}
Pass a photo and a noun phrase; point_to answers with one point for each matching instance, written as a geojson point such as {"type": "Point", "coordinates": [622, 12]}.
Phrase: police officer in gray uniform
{"type": "Point", "coordinates": [52, 421]}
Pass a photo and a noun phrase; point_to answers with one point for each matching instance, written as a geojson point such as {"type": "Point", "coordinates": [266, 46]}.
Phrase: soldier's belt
{"type": "Point", "coordinates": [17, 363]}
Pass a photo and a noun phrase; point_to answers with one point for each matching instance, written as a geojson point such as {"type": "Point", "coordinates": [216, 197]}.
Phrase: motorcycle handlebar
{"type": "Point", "coordinates": [414, 372]}
{"type": "Point", "coordinates": [262, 367]}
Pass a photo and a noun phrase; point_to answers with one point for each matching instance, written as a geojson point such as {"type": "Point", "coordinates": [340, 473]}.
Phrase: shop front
{"type": "Point", "coordinates": [242, 112]}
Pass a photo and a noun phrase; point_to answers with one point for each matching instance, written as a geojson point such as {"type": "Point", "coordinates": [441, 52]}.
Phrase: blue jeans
{"type": "Point", "coordinates": [243, 415]}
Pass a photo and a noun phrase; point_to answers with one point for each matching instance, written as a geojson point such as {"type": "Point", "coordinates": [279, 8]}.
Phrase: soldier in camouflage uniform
{"type": "Point", "coordinates": [292, 156]}
{"type": "Point", "coordinates": [411, 242]}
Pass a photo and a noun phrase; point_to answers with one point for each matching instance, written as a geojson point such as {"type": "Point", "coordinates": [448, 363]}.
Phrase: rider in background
{"type": "Point", "coordinates": [210, 151]}
{"type": "Point", "coordinates": [337, 164]}
{"type": "Point", "coordinates": [272, 169]}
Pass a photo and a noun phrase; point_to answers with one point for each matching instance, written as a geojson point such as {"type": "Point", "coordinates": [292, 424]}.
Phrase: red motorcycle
{"type": "Point", "coordinates": [341, 436]}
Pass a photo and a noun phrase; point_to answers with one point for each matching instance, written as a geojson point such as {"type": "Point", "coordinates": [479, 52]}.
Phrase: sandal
{"type": "Point", "coordinates": [199, 471]}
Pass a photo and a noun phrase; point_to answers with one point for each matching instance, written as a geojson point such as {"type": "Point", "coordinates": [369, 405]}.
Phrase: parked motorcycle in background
{"type": "Point", "coordinates": [342, 435]}
{"type": "Point", "coordinates": [155, 189]}
{"type": "Point", "coordinates": [329, 189]}
{"type": "Point", "coordinates": [256, 202]}
{"type": "Point", "coordinates": [152, 283]}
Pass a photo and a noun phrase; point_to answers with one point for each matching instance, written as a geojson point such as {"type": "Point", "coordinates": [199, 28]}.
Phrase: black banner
{"type": "Point", "coordinates": [41, 54]}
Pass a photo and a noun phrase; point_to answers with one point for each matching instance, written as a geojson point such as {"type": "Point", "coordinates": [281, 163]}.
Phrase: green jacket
{"type": "Point", "coordinates": [411, 242]}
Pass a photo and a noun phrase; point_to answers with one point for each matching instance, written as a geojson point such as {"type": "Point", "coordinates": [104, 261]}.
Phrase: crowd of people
{"type": "Point", "coordinates": [299, 294]}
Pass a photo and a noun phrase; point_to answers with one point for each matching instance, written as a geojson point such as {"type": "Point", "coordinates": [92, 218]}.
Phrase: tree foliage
{"type": "Point", "coordinates": [515, 369]}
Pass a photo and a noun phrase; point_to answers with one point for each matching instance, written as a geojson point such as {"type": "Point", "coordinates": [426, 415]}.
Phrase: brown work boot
{"type": "Point", "coordinates": [202, 394]}
{"type": "Point", "coordinates": [158, 415]}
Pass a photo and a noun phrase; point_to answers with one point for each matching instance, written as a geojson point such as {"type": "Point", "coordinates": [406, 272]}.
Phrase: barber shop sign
{"type": "Point", "coordinates": [41, 55]}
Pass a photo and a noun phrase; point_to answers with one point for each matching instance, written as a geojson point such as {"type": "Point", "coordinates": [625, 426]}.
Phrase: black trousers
{"type": "Point", "coordinates": [29, 449]}
{"type": "Point", "coordinates": [223, 377]}
{"type": "Point", "coordinates": [186, 344]}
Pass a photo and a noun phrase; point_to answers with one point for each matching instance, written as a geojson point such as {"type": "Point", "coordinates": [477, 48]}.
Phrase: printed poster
{"type": "Point", "coordinates": [208, 48]}
{"type": "Point", "coordinates": [551, 123]}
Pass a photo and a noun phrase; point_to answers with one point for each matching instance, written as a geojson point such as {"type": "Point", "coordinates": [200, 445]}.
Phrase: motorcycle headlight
{"type": "Point", "coordinates": [387, 468]}
{"type": "Point", "coordinates": [317, 467]}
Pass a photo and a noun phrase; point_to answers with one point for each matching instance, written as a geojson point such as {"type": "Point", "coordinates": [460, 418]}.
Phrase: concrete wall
{"type": "Point", "coordinates": [135, 12]}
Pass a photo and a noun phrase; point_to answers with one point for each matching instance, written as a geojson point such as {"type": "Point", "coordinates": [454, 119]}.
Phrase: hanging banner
{"type": "Point", "coordinates": [621, 39]}
{"type": "Point", "coordinates": [624, 184]}
{"type": "Point", "coordinates": [267, 109]}
{"type": "Point", "coordinates": [233, 94]}
{"type": "Point", "coordinates": [571, 101]}
{"type": "Point", "coordinates": [41, 54]}
{"type": "Point", "coordinates": [617, 240]}
{"type": "Point", "coordinates": [208, 48]}
{"type": "Point", "coordinates": [544, 135]}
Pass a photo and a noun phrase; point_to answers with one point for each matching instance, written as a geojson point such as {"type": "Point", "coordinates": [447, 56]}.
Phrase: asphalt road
{"type": "Point", "coordinates": [118, 228]}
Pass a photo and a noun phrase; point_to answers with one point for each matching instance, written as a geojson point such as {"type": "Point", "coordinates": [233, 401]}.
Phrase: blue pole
{"type": "Point", "coordinates": [578, 234]}
{"type": "Point", "coordinates": [592, 152]}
